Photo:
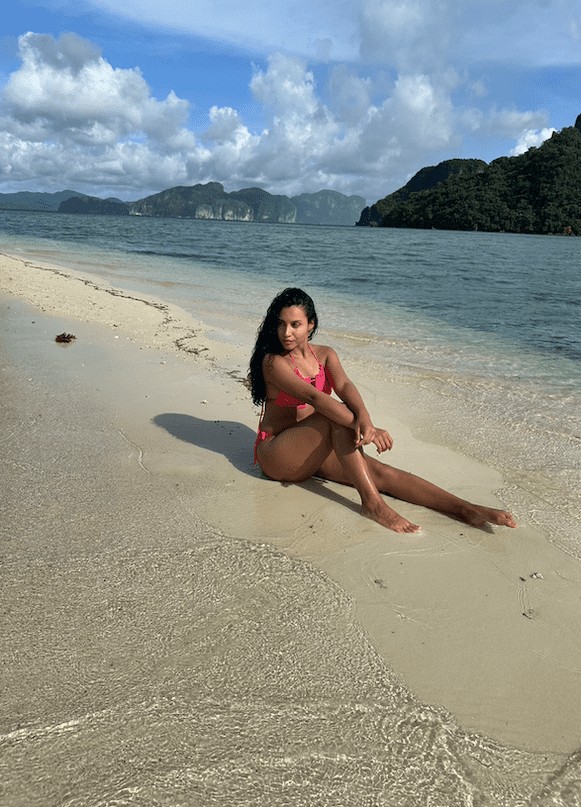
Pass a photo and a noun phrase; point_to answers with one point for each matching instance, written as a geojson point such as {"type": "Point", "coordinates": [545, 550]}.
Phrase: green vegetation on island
{"type": "Point", "coordinates": [538, 192]}
{"type": "Point", "coordinates": [426, 179]}
{"type": "Point", "coordinates": [35, 200]}
{"type": "Point", "coordinates": [92, 204]}
{"type": "Point", "coordinates": [211, 201]}
{"type": "Point", "coordinates": [208, 201]}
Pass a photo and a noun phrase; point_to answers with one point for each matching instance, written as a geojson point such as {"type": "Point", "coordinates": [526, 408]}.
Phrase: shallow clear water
{"type": "Point", "coordinates": [526, 290]}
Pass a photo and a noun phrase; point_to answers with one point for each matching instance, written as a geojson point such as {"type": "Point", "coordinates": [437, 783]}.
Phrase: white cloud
{"type": "Point", "coordinates": [350, 95]}
{"type": "Point", "coordinates": [301, 128]}
{"type": "Point", "coordinates": [301, 27]}
{"type": "Point", "coordinates": [287, 88]}
{"type": "Point", "coordinates": [70, 119]}
{"type": "Point", "coordinates": [425, 110]}
{"type": "Point", "coordinates": [529, 138]}
{"type": "Point", "coordinates": [76, 96]}
{"type": "Point", "coordinates": [511, 123]}
{"type": "Point", "coordinates": [67, 115]}
{"type": "Point", "coordinates": [410, 34]}
{"type": "Point", "coordinates": [534, 33]}
{"type": "Point", "coordinates": [226, 127]}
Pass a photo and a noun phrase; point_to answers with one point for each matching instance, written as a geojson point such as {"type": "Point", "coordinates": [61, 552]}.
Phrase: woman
{"type": "Point", "coordinates": [304, 431]}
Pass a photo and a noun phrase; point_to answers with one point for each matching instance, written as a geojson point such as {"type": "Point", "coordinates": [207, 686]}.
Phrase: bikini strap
{"type": "Point", "coordinates": [312, 353]}
{"type": "Point", "coordinates": [321, 368]}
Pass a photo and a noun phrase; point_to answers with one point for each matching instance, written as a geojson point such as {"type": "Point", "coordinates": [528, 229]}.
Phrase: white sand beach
{"type": "Point", "coordinates": [484, 623]}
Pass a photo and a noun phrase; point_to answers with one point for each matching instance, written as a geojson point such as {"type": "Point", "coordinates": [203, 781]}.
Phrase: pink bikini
{"type": "Point", "coordinates": [323, 381]}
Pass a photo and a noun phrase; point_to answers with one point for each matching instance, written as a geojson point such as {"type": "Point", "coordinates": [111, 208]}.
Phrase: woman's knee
{"type": "Point", "coordinates": [319, 422]}
{"type": "Point", "coordinates": [337, 429]}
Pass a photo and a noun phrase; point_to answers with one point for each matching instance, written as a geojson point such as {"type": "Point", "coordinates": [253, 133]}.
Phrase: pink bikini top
{"type": "Point", "coordinates": [323, 381]}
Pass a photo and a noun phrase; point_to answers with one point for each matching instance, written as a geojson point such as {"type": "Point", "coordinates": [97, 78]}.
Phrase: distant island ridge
{"type": "Point", "coordinates": [538, 192]}
{"type": "Point", "coordinates": [207, 201]}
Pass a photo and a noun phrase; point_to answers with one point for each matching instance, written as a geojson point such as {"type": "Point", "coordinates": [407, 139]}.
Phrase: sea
{"type": "Point", "coordinates": [481, 335]}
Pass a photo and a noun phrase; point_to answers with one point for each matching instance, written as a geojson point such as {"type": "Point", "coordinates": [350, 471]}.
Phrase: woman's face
{"type": "Point", "coordinates": [293, 327]}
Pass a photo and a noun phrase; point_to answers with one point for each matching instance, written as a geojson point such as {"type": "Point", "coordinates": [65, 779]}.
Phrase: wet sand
{"type": "Point", "coordinates": [147, 408]}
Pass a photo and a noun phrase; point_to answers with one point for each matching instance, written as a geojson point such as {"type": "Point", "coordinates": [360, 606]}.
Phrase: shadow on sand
{"type": "Point", "coordinates": [235, 441]}
{"type": "Point", "coordinates": [227, 437]}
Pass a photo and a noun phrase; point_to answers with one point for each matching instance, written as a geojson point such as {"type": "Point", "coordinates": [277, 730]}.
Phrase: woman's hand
{"type": "Point", "coordinates": [366, 433]}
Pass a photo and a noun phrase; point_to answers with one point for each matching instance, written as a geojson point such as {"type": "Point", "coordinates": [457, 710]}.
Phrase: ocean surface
{"type": "Point", "coordinates": [481, 335]}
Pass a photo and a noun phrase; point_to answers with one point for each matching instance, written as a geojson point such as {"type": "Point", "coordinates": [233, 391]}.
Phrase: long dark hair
{"type": "Point", "coordinates": [267, 340]}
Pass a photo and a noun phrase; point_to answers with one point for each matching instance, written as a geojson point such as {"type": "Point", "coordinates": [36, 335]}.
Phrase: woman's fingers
{"type": "Point", "coordinates": [382, 441]}
{"type": "Point", "coordinates": [379, 437]}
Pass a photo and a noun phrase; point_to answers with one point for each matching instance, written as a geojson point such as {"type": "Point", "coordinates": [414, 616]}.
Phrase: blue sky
{"type": "Point", "coordinates": [126, 99]}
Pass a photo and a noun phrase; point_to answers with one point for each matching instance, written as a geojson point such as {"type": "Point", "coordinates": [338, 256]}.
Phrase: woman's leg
{"type": "Point", "coordinates": [410, 488]}
{"type": "Point", "coordinates": [355, 467]}
{"type": "Point", "coordinates": [316, 443]}
{"type": "Point", "coordinates": [296, 453]}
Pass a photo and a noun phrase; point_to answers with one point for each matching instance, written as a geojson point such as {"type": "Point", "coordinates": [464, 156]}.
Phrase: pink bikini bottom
{"type": "Point", "coordinates": [259, 438]}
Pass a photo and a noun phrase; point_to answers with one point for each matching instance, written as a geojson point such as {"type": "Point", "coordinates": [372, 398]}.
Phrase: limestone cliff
{"type": "Point", "coordinates": [210, 201]}
{"type": "Point", "coordinates": [328, 207]}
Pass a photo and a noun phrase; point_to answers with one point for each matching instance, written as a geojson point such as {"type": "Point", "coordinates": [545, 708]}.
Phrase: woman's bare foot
{"type": "Point", "coordinates": [387, 517]}
{"type": "Point", "coordinates": [478, 516]}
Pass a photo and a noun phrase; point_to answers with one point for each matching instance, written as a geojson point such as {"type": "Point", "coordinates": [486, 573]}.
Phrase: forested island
{"type": "Point", "coordinates": [203, 201]}
{"type": "Point", "coordinates": [538, 192]}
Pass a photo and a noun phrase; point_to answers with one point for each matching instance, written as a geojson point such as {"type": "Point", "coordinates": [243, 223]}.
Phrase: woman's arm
{"type": "Point", "coordinates": [278, 374]}
{"type": "Point", "coordinates": [365, 431]}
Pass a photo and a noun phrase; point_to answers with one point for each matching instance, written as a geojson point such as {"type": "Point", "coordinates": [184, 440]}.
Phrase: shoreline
{"type": "Point", "coordinates": [480, 622]}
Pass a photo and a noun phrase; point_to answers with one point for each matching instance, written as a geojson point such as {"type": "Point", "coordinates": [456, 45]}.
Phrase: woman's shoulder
{"type": "Point", "coordinates": [273, 360]}
{"type": "Point", "coordinates": [324, 352]}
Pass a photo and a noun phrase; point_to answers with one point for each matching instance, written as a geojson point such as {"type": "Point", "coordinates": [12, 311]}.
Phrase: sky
{"type": "Point", "coordinates": [129, 98]}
